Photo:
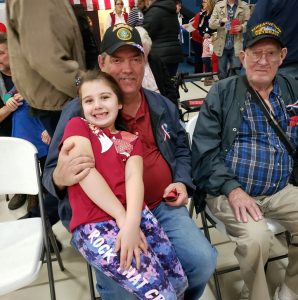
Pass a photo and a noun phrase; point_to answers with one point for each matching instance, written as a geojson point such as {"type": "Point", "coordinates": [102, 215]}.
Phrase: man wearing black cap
{"type": "Point", "coordinates": [243, 165]}
{"type": "Point", "coordinates": [281, 13]}
{"type": "Point", "coordinates": [166, 161]}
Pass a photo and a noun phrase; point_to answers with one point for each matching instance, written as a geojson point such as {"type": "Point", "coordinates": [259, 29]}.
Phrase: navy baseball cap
{"type": "Point", "coordinates": [262, 31]}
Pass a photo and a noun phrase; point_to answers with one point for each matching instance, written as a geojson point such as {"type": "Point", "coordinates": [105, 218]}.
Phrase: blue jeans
{"type": "Point", "coordinates": [226, 61]}
{"type": "Point", "coordinates": [197, 256]}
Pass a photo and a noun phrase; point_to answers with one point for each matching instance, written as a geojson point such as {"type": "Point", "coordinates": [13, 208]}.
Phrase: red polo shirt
{"type": "Point", "coordinates": [157, 173]}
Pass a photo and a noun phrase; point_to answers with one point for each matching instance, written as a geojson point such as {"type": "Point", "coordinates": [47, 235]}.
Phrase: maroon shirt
{"type": "Point", "coordinates": [157, 173]}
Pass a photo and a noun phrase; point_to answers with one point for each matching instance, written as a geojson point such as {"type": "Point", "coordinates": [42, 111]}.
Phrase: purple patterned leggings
{"type": "Point", "coordinates": [160, 277]}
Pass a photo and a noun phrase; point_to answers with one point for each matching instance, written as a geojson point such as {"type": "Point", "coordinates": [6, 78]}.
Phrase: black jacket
{"type": "Point", "coordinates": [163, 79]}
{"type": "Point", "coordinates": [161, 22]}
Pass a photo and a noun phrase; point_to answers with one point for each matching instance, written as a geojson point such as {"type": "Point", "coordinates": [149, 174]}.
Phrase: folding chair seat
{"type": "Point", "coordinates": [206, 215]}
{"type": "Point", "coordinates": [23, 243]}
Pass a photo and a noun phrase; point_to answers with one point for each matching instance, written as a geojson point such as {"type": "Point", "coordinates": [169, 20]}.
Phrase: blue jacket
{"type": "Point", "coordinates": [164, 117]}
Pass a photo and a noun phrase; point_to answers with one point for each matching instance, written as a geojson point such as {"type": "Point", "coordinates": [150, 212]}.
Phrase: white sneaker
{"type": "Point", "coordinates": [202, 79]}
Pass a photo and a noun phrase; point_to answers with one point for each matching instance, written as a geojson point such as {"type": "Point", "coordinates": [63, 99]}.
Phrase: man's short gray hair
{"type": "Point", "coordinates": [146, 40]}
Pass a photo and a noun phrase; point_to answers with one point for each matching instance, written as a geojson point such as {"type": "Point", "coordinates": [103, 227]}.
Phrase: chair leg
{"type": "Point", "coordinates": [54, 244]}
{"type": "Point", "coordinates": [217, 287]}
{"type": "Point", "coordinates": [91, 284]}
{"type": "Point", "coordinates": [191, 207]}
{"type": "Point", "coordinates": [49, 266]}
{"type": "Point", "coordinates": [207, 234]}
{"type": "Point", "coordinates": [288, 238]}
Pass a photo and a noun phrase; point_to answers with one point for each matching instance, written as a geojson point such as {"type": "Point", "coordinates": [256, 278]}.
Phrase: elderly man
{"type": "Point", "coordinates": [166, 161]}
{"type": "Point", "coordinates": [244, 167]}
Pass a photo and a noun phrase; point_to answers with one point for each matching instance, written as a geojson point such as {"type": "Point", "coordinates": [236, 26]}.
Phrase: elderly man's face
{"type": "Point", "coordinates": [4, 59]}
{"type": "Point", "coordinates": [127, 66]}
{"type": "Point", "coordinates": [261, 61]}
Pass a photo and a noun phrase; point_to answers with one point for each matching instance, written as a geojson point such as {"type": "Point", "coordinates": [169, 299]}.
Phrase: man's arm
{"type": "Point", "coordinates": [48, 50]}
{"type": "Point", "coordinates": [209, 170]}
{"type": "Point", "coordinates": [215, 20]}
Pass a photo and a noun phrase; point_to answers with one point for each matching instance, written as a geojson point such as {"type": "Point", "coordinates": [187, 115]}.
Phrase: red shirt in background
{"type": "Point", "coordinates": [157, 173]}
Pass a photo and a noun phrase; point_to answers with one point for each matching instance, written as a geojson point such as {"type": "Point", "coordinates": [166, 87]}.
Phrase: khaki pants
{"type": "Point", "coordinates": [253, 239]}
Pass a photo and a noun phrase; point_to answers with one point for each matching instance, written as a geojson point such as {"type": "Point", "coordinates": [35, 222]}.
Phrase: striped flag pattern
{"type": "Point", "coordinates": [91, 5]}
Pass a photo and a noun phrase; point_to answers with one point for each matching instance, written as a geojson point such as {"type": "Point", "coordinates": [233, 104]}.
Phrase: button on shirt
{"type": "Point", "coordinates": [258, 157]}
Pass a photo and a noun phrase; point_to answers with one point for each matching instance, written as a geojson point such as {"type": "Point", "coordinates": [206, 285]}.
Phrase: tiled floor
{"type": "Point", "coordinates": [72, 284]}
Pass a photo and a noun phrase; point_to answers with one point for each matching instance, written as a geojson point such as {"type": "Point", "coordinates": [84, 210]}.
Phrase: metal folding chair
{"type": "Point", "coordinates": [23, 243]}
{"type": "Point", "coordinates": [207, 216]}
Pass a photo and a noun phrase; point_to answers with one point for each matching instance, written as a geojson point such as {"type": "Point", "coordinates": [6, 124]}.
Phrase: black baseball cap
{"type": "Point", "coordinates": [118, 36]}
{"type": "Point", "coordinates": [262, 31]}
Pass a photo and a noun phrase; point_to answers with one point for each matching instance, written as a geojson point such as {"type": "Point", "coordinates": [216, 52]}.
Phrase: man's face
{"type": "Point", "coordinates": [127, 66]}
{"type": "Point", "coordinates": [262, 60]}
{"type": "Point", "coordinates": [4, 59]}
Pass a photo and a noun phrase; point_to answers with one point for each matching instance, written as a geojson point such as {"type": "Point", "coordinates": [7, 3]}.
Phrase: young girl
{"type": "Point", "coordinates": [111, 227]}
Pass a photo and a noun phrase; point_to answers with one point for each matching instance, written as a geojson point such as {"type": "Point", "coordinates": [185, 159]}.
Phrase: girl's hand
{"type": "Point", "coordinates": [45, 137]}
{"type": "Point", "coordinates": [18, 97]}
{"type": "Point", "coordinates": [130, 241]}
{"type": "Point", "coordinates": [13, 104]}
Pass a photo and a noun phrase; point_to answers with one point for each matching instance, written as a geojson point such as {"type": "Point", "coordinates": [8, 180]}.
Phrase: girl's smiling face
{"type": "Point", "coordinates": [100, 104]}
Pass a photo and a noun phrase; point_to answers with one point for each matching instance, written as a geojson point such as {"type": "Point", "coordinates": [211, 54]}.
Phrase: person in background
{"type": "Point", "coordinates": [244, 166]}
{"type": "Point", "coordinates": [229, 19]}
{"type": "Point", "coordinates": [90, 46]}
{"type": "Point", "coordinates": [15, 120]}
{"type": "Point", "coordinates": [206, 58]}
{"type": "Point", "coordinates": [166, 162]}
{"type": "Point", "coordinates": [156, 77]}
{"type": "Point", "coordinates": [136, 16]}
{"type": "Point", "coordinates": [280, 12]}
{"type": "Point", "coordinates": [46, 56]}
{"type": "Point", "coordinates": [206, 33]}
{"type": "Point", "coordinates": [117, 16]}
{"type": "Point", "coordinates": [160, 21]}
{"type": "Point", "coordinates": [180, 20]}
{"type": "Point", "coordinates": [111, 204]}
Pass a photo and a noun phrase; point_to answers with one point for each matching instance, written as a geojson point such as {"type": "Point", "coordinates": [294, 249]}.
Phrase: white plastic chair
{"type": "Point", "coordinates": [22, 241]}
{"type": "Point", "coordinates": [273, 225]}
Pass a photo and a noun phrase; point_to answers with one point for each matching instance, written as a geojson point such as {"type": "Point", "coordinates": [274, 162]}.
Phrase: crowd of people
{"type": "Point", "coordinates": [117, 168]}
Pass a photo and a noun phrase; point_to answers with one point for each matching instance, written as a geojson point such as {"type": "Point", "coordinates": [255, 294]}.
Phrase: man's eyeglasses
{"type": "Point", "coordinates": [271, 56]}
{"type": "Point", "coordinates": [119, 4]}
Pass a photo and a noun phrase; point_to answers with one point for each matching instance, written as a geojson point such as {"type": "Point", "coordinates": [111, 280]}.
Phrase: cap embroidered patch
{"type": "Point", "coordinates": [262, 31]}
{"type": "Point", "coordinates": [124, 34]}
{"type": "Point", "coordinates": [266, 28]}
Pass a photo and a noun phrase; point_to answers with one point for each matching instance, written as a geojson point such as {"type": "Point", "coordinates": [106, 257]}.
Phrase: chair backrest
{"type": "Point", "coordinates": [18, 172]}
{"type": "Point", "coordinates": [190, 127]}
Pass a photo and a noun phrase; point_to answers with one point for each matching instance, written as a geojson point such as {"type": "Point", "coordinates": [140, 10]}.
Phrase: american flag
{"type": "Point", "coordinates": [91, 5]}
